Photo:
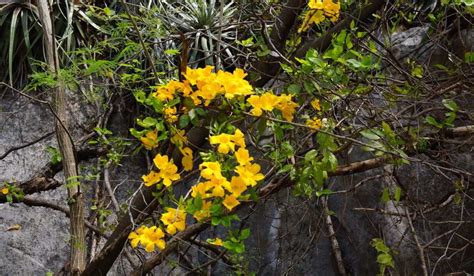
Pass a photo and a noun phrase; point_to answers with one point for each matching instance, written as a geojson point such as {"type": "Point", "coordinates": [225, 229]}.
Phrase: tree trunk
{"type": "Point", "coordinates": [66, 147]}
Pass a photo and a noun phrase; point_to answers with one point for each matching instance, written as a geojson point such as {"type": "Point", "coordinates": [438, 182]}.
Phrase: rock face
{"type": "Point", "coordinates": [289, 235]}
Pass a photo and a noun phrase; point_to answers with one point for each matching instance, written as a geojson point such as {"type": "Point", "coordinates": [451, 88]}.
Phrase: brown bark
{"type": "Point", "coordinates": [66, 148]}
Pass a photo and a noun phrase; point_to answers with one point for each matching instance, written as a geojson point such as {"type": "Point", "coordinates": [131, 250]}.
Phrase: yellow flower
{"type": "Point", "coordinates": [152, 178]}
{"type": "Point", "coordinates": [238, 138]}
{"type": "Point", "coordinates": [167, 92]}
{"type": "Point", "coordinates": [314, 123]}
{"type": "Point", "coordinates": [204, 212]}
{"type": "Point", "coordinates": [224, 141]}
{"type": "Point", "coordinates": [5, 190]}
{"type": "Point", "coordinates": [311, 17]}
{"type": "Point", "coordinates": [236, 186]}
{"type": "Point", "coordinates": [217, 185]}
{"type": "Point", "coordinates": [199, 74]}
{"type": "Point", "coordinates": [243, 156]}
{"type": "Point", "coordinates": [187, 160]}
{"type": "Point", "coordinates": [148, 237]}
{"type": "Point", "coordinates": [179, 138]}
{"type": "Point", "coordinates": [315, 4]}
{"type": "Point", "coordinates": [201, 190]}
{"type": "Point", "coordinates": [170, 114]}
{"type": "Point", "coordinates": [287, 107]}
{"type": "Point", "coordinates": [174, 219]}
{"type": "Point", "coordinates": [316, 104]}
{"type": "Point", "coordinates": [150, 140]}
{"type": "Point", "coordinates": [210, 169]}
{"type": "Point", "coordinates": [217, 242]}
{"type": "Point", "coordinates": [230, 202]}
{"type": "Point", "coordinates": [168, 170]}
{"type": "Point", "coordinates": [266, 101]}
{"type": "Point", "coordinates": [208, 90]}
{"type": "Point", "coordinates": [250, 173]}
{"type": "Point", "coordinates": [234, 84]}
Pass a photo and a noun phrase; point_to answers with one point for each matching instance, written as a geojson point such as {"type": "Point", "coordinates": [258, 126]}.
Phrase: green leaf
{"type": "Point", "coordinates": [417, 72]}
{"type": "Point", "coordinates": [147, 122]}
{"type": "Point", "coordinates": [172, 52]}
{"type": "Point", "coordinates": [245, 234]}
{"type": "Point", "coordinates": [294, 88]}
{"type": "Point", "coordinates": [385, 196]}
{"type": "Point", "coordinates": [385, 259]}
{"type": "Point", "coordinates": [311, 155]}
{"type": "Point", "coordinates": [469, 57]}
{"type": "Point", "coordinates": [432, 121]}
{"type": "Point", "coordinates": [183, 121]}
{"type": "Point", "coordinates": [371, 134]}
{"type": "Point", "coordinates": [450, 104]}
{"type": "Point", "coordinates": [324, 192]}
{"type": "Point", "coordinates": [398, 194]}
{"type": "Point", "coordinates": [140, 96]}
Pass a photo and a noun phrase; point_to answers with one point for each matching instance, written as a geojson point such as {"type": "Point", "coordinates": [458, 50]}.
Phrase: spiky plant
{"type": "Point", "coordinates": [200, 21]}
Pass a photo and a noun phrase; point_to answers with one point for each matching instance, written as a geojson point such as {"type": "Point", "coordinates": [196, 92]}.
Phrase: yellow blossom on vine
{"type": "Point", "coordinates": [224, 141]}
{"type": "Point", "coordinates": [315, 4]}
{"type": "Point", "coordinates": [179, 138]}
{"type": "Point", "coordinates": [148, 237]}
{"type": "Point", "coordinates": [187, 160]}
{"type": "Point", "coordinates": [243, 157]}
{"type": "Point", "coordinates": [204, 212]}
{"type": "Point", "coordinates": [217, 242]}
{"type": "Point", "coordinates": [150, 140]}
{"type": "Point", "coordinates": [5, 190]}
{"type": "Point", "coordinates": [314, 123]}
{"type": "Point", "coordinates": [151, 178]}
{"type": "Point", "coordinates": [234, 84]}
{"type": "Point", "coordinates": [236, 186]}
{"type": "Point", "coordinates": [170, 114]}
{"type": "Point", "coordinates": [201, 189]}
{"type": "Point", "coordinates": [208, 90]}
{"type": "Point", "coordinates": [316, 104]}
{"type": "Point", "coordinates": [210, 169]}
{"type": "Point", "coordinates": [250, 173]}
{"type": "Point", "coordinates": [319, 11]}
{"type": "Point", "coordinates": [217, 184]}
{"type": "Point", "coordinates": [168, 91]}
{"type": "Point", "coordinates": [311, 17]}
{"type": "Point", "coordinates": [230, 202]}
{"type": "Point", "coordinates": [174, 219]}
{"type": "Point", "coordinates": [266, 102]}
{"type": "Point", "coordinates": [168, 170]}
{"type": "Point", "coordinates": [238, 138]}
{"type": "Point", "coordinates": [199, 74]}
{"type": "Point", "coordinates": [287, 107]}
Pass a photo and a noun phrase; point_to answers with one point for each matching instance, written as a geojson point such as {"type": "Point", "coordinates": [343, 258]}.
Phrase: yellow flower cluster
{"type": "Point", "coordinates": [150, 140]}
{"type": "Point", "coordinates": [202, 84]}
{"type": "Point", "coordinates": [268, 101]}
{"type": "Point", "coordinates": [148, 237]}
{"type": "Point", "coordinates": [5, 190]}
{"type": "Point", "coordinates": [167, 174]}
{"type": "Point", "coordinates": [319, 10]}
{"type": "Point", "coordinates": [314, 123]}
{"type": "Point", "coordinates": [174, 219]}
{"type": "Point", "coordinates": [216, 184]}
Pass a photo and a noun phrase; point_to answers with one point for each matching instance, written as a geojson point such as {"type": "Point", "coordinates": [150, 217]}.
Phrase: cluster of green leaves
{"type": "Point", "coordinates": [14, 192]}
{"type": "Point", "coordinates": [384, 255]}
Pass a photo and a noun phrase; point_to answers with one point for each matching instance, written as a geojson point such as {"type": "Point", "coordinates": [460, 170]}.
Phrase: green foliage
{"type": "Point", "coordinates": [54, 154]}
{"type": "Point", "coordinates": [384, 255]}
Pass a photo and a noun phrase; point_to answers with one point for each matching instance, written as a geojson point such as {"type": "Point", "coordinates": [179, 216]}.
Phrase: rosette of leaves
{"type": "Point", "coordinates": [199, 20]}
{"type": "Point", "coordinates": [22, 36]}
